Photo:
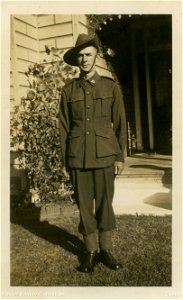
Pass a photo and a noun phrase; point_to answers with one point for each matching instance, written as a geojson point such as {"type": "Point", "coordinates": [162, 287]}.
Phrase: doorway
{"type": "Point", "coordinates": [154, 31]}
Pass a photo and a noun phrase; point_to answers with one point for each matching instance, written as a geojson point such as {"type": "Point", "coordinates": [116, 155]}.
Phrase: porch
{"type": "Point", "coordinates": [153, 166]}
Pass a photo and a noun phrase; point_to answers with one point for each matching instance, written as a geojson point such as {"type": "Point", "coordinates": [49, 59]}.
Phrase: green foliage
{"type": "Point", "coordinates": [35, 129]}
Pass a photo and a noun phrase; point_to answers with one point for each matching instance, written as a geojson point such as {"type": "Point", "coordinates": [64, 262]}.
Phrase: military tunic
{"type": "Point", "coordinates": [92, 122]}
{"type": "Point", "coordinates": [93, 136]}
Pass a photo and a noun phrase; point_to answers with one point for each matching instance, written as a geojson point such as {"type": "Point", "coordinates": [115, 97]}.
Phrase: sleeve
{"type": "Point", "coordinates": [63, 117]}
{"type": "Point", "coordinates": [119, 122]}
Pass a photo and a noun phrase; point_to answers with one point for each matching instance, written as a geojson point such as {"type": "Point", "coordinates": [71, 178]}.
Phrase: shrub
{"type": "Point", "coordinates": [34, 126]}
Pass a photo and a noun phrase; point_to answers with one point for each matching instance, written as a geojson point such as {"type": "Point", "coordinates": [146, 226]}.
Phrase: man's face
{"type": "Point", "coordinates": [86, 59]}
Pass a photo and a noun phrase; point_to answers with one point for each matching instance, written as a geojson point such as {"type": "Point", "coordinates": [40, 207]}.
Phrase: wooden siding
{"type": "Point", "coordinates": [48, 42]}
{"type": "Point", "coordinates": [26, 41]}
{"type": "Point", "coordinates": [54, 31]}
{"type": "Point", "coordinates": [30, 34]}
{"type": "Point", "coordinates": [24, 47]}
{"type": "Point", "coordinates": [63, 43]}
{"type": "Point", "coordinates": [27, 19]}
{"type": "Point", "coordinates": [82, 22]}
{"type": "Point", "coordinates": [45, 20]}
{"type": "Point", "coordinates": [26, 54]}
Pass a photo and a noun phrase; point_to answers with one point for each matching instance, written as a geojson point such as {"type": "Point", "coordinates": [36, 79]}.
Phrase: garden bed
{"type": "Point", "coordinates": [44, 211]}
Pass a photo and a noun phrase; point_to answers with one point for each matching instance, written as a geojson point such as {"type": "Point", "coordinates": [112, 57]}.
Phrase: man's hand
{"type": "Point", "coordinates": [118, 167]}
{"type": "Point", "coordinates": [65, 173]}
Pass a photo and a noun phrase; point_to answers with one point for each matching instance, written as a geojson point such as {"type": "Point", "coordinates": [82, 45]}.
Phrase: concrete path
{"type": "Point", "coordinates": [144, 188]}
{"type": "Point", "coordinates": [146, 199]}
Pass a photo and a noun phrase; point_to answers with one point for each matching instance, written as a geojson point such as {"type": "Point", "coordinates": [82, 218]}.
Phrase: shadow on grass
{"type": "Point", "coordinates": [45, 230]}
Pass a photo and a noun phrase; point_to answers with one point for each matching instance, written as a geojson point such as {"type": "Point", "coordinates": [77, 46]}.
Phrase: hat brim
{"type": "Point", "coordinates": [70, 57]}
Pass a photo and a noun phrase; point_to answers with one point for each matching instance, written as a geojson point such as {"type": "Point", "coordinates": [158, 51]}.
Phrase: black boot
{"type": "Point", "coordinates": [108, 260]}
{"type": "Point", "coordinates": [89, 262]}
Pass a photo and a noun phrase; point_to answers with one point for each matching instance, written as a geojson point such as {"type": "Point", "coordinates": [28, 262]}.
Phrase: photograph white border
{"type": "Point", "coordinates": [92, 7]}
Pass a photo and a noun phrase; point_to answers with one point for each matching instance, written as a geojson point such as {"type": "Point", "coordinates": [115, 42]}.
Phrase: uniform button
{"type": "Point", "coordinates": [88, 106]}
{"type": "Point", "coordinates": [88, 119]}
{"type": "Point", "coordinates": [87, 132]}
{"type": "Point", "coordinates": [87, 92]}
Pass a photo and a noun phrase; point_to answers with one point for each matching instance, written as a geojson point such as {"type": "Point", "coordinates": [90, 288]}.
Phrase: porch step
{"type": "Point", "coordinates": [145, 179]}
{"type": "Point", "coordinates": [146, 168]}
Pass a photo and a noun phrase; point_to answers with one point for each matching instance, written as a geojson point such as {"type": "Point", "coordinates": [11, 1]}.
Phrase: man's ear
{"type": "Point", "coordinates": [97, 56]}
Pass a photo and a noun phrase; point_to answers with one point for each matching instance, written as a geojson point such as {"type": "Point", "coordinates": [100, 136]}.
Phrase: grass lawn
{"type": "Point", "coordinates": [47, 253]}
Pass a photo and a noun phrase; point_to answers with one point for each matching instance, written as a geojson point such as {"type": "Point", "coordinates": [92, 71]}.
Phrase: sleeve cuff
{"type": "Point", "coordinates": [120, 157]}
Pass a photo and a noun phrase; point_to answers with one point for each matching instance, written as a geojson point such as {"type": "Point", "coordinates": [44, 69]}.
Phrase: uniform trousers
{"type": "Point", "coordinates": [94, 190]}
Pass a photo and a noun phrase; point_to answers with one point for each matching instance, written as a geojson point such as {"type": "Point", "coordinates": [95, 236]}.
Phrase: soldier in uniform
{"type": "Point", "coordinates": [93, 140]}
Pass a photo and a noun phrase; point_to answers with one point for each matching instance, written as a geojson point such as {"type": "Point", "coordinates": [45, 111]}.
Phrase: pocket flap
{"type": "Point", "coordinates": [77, 97]}
{"type": "Point", "coordinates": [74, 134]}
{"type": "Point", "coordinates": [102, 95]}
{"type": "Point", "coordinates": [103, 132]}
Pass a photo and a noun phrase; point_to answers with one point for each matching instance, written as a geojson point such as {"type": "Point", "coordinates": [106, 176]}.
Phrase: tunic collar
{"type": "Point", "coordinates": [93, 79]}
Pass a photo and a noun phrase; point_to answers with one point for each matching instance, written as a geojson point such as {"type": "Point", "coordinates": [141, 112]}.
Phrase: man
{"type": "Point", "coordinates": [93, 138]}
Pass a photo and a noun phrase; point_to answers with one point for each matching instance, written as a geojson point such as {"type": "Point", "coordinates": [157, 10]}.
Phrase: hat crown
{"type": "Point", "coordinates": [83, 38]}
{"type": "Point", "coordinates": [83, 41]}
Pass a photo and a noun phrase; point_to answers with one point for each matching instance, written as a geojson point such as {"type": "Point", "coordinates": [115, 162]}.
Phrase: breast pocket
{"type": "Point", "coordinates": [106, 106]}
{"type": "Point", "coordinates": [103, 104]}
{"type": "Point", "coordinates": [76, 106]}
